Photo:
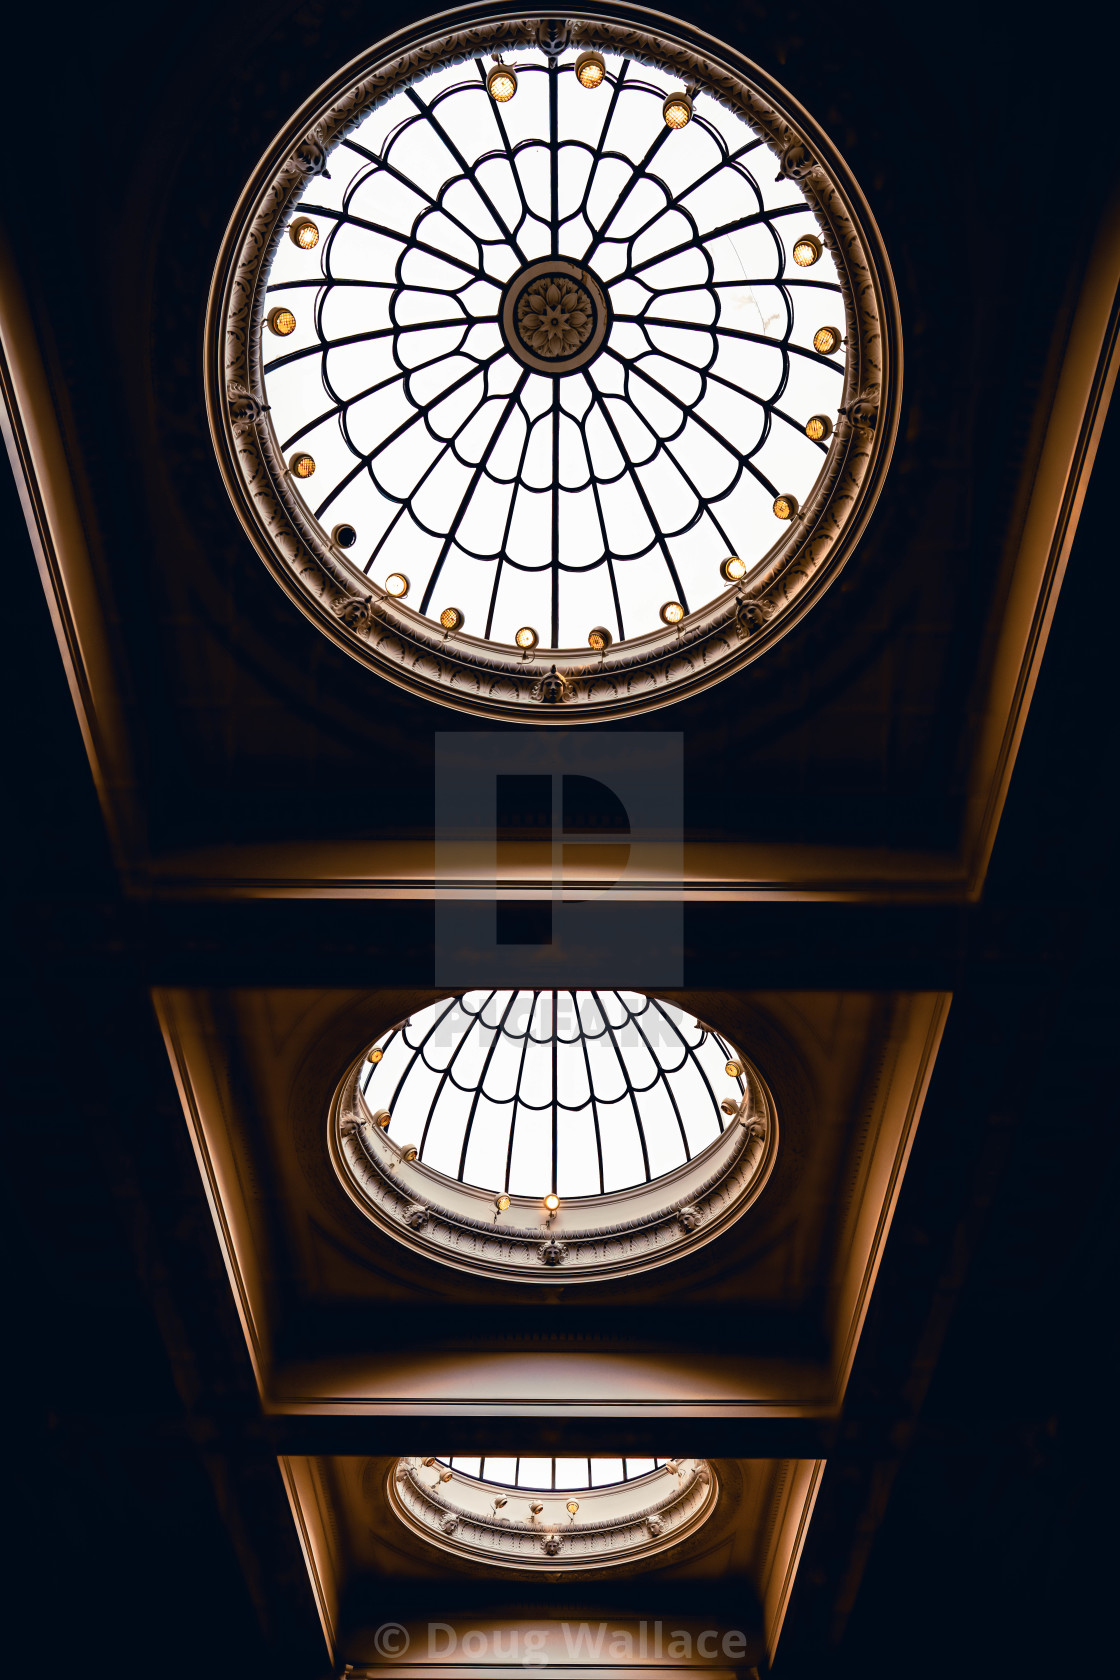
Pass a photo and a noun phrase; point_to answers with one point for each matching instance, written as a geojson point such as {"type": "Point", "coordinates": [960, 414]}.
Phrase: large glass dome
{"type": "Point", "coordinates": [553, 359]}
{"type": "Point", "coordinates": [554, 367]}
{"type": "Point", "coordinates": [580, 1093]}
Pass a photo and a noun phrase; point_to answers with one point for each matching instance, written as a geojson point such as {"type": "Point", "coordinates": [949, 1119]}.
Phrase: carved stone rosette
{"type": "Point", "coordinates": [588, 1237]}
{"type": "Point", "coordinates": [614, 1525]}
{"type": "Point", "coordinates": [465, 671]}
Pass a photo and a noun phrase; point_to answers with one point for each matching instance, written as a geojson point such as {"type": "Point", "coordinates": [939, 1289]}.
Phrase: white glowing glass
{"type": "Point", "coordinates": [563, 500]}
{"type": "Point", "coordinates": [546, 1475]}
{"type": "Point", "coordinates": [583, 1093]}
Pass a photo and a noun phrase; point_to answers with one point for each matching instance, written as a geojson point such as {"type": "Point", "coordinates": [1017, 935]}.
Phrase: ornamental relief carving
{"type": "Point", "coordinates": [592, 1237]}
{"type": "Point", "coordinates": [646, 671]}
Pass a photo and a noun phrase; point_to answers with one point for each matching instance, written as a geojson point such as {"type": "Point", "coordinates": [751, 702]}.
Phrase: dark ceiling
{"type": "Point", "coordinates": [965, 1523]}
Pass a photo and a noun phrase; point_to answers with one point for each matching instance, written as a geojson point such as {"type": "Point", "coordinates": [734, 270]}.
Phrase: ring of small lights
{"type": "Point", "coordinates": [625, 1523]}
{"type": "Point", "coordinates": [452, 666]}
{"type": "Point", "coordinates": [458, 1224]}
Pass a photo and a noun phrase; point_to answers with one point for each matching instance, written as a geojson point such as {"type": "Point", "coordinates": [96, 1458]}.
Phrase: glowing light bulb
{"type": "Point", "coordinates": [600, 638]}
{"type": "Point", "coordinates": [818, 427]}
{"type": "Point", "coordinates": [672, 612]}
{"type": "Point", "coordinates": [734, 1070]}
{"type": "Point", "coordinates": [677, 110]}
{"type": "Point", "coordinates": [552, 1201]}
{"type": "Point", "coordinates": [375, 1055]}
{"type": "Point", "coordinates": [451, 618]}
{"type": "Point", "coordinates": [526, 637]}
{"type": "Point", "coordinates": [826, 340]}
{"type": "Point", "coordinates": [501, 83]}
{"type": "Point", "coordinates": [502, 1203]}
{"type": "Point", "coordinates": [396, 584]}
{"type": "Point", "coordinates": [573, 1507]}
{"type": "Point", "coordinates": [301, 466]}
{"type": "Point", "coordinates": [785, 507]}
{"type": "Point", "coordinates": [304, 233]}
{"type": "Point", "coordinates": [807, 250]}
{"type": "Point", "coordinates": [732, 569]}
{"type": "Point", "coordinates": [280, 321]}
{"type": "Point", "coordinates": [590, 69]}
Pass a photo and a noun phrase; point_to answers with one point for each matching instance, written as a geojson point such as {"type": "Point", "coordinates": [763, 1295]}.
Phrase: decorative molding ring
{"type": "Point", "coordinates": [625, 1523]}
{"type": "Point", "coordinates": [464, 671]}
{"type": "Point", "coordinates": [459, 1224]}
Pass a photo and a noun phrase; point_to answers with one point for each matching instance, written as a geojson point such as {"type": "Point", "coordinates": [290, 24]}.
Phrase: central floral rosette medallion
{"type": "Point", "coordinates": [555, 316]}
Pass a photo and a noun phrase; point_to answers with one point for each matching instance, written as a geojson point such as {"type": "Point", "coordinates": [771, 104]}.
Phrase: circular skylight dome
{"type": "Point", "coordinates": [540, 1133]}
{"type": "Point", "coordinates": [577, 1093]}
{"type": "Point", "coordinates": [575, 1515]}
{"type": "Point", "coordinates": [547, 398]}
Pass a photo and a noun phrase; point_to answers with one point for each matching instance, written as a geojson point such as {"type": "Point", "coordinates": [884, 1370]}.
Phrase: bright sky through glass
{"type": "Point", "coordinates": [543, 1475]}
{"type": "Point", "coordinates": [522, 498]}
{"type": "Point", "coordinates": [578, 1092]}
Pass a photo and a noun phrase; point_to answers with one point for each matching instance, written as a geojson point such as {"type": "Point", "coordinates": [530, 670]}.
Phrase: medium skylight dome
{"type": "Point", "coordinates": [532, 1133]}
{"type": "Point", "coordinates": [536, 328]}
{"type": "Point", "coordinates": [580, 1093]}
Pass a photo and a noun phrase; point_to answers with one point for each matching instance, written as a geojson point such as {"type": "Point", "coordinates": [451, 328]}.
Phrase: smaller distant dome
{"type": "Point", "coordinates": [567, 1515]}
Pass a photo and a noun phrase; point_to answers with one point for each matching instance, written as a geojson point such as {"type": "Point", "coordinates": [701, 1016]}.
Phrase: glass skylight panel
{"type": "Point", "coordinates": [591, 489]}
{"type": "Point", "coordinates": [532, 1092]}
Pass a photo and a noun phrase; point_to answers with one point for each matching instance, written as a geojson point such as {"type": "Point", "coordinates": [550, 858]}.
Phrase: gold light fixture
{"type": "Point", "coordinates": [500, 1501]}
{"type": "Point", "coordinates": [590, 69]}
{"type": "Point", "coordinates": [732, 569]}
{"type": "Point", "coordinates": [344, 535]}
{"type": "Point", "coordinates": [396, 584]}
{"type": "Point", "coordinates": [573, 1507]}
{"type": "Point", "coordinates": [375, 1056]}
{"type": "Point", "coordinates": [552, 1201]}
{"type": "Point", "coordinates": [280, 321]}
{"type": "Point", "coordinates": [526, 637]}
{"type": "Point", "coordinates": [807, 250]}
{"type": "Point", "coordinates": [785, 507]}
{"type": "Point", "coordinates": [301, 466]}
{"type": "Point", "coordinates": [409, 1152]}
{"type": "Point", "coordinates": [734, 1070]}
{"type": "Point", "coordinates": [672, 612]}
{"type": "Point", "coordinates": [502, 1203]}
{"type": "Point", "coordinates": [501, 83]}
{"type": "Point", "coordinates": [729, 1106]}
{"type": "Point", "coordinates": [382, 1117]}
{"type": "Point", "coordinates": [600, 638]}
{"type": "Point", "coordinates": [304, 233]}
{"type": "Point", "coordinates": [451, 618]}
{"type": "Point", "coordinates": [826, 340]}
{"type": "Point", "coordinates": [446, 1475]}
{"type": "Point", "coordinates": [677, 110]}
{"type": "Point", "coordinates": [818, 427]}
{"type": "Point", "coordinates": [536, 1507]}
{"type": "Point", "coordinates": [429, 1463]}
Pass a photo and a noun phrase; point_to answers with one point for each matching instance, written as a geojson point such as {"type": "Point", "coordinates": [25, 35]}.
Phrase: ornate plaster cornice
{"type": "Point", "coordinates": [588, 1237]}
{"type": "Point", "coordinates": [572, 685]}
{"type": "Point", "coordinates": [516, 1528]}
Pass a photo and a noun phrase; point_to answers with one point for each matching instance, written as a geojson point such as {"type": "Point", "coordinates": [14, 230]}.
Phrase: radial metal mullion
{"type": "Point", "coordinates": [446, 1074]}
{"type": "Point", "coordinates": [705, 425]}
{"type": "Point", "coordinates": [419, 416]}
{"type": "Point", "coordinates": [638, 172]}
{"type": "Point", "coordinates": [501, 555]}
{"type": "Point", "coordinates": [599, 148]}
{"type": "Point", "coordinates": [517, 1094]}
{"type": "Point", "coordinates": [591, 1094]}
{"type": "Point", "coordinates": [629, 1086]}
{"type": "Point", "coordinates": [496, 112]}
{"type": "Point", "coordinates": [555, 1111]}
{"type": "Point", "coordinates": [659, 540]}
{"type": "Point", "coordinates": [696, 1060]}
{"type": "Point", "coordinates": [465, 499]}
{"type": "Point", "coordinates": [664, 1077]}
{"type": "Point", "coordinates": [468, 172]}
{"type": "Point", "coordinates": [418, 1051]}
{"type": "Point", "coordinates": [737, 226]}
{"type": "Point", "coordinates": [499, 1032]}
{"type": "Point", "coordinates": [554, 155]}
